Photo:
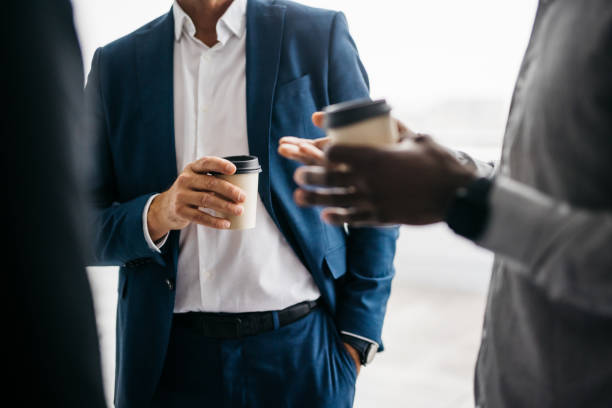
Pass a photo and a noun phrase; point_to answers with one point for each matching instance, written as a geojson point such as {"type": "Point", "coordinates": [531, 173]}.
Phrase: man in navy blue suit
{"type": "Point", "coordinates": [282, 315]}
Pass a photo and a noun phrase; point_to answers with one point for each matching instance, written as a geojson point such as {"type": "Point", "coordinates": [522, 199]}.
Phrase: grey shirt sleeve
{"type": "Point", "coordinates": [566, 251]}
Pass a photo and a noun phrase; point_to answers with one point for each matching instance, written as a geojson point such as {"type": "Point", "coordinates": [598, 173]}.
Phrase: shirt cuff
{"type": "Point", "coordinates": [359, 337]}
{"type": "Point", "coordinates": [517, 216]}
{"type": "Point", "coordinates": [154, 246]}
{"type": "Point", "coordinates": [483, 169]}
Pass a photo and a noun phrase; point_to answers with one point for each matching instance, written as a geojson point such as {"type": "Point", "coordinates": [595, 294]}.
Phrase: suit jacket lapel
{"type": "Point", "coordinates": [155, 69]}
{"type": "Point", "coordinates": [265, 25]}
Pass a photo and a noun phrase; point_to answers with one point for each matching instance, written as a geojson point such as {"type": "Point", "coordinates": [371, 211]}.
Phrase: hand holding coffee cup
{"type": "Point", "coordinates": [193, 189]}
{"type": "Point", "coordinates": [246, 177]}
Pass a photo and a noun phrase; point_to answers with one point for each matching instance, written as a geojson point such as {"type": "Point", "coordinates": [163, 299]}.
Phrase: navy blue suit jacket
{"type": "Point", "coordinates": [299, 60]}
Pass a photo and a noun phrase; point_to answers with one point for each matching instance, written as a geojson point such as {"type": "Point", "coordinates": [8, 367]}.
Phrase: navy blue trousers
{"type": "Point", "coordinates": [303, 364]}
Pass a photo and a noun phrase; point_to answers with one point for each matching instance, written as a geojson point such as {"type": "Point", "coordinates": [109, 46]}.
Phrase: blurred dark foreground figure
{"type": "Point", "coordinates": [546, 212]}
{"type": "Point", "coordinates": [53, 356]}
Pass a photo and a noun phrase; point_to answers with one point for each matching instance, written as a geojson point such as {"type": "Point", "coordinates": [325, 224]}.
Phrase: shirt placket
{"type": "Point", "coordinates": [207, 242]}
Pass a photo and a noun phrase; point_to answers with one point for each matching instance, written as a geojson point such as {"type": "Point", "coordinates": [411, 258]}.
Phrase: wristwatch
{"type": "Point", "coordinates": [468, 214]}
{"type": "Point", "coordinates": [366, 350]}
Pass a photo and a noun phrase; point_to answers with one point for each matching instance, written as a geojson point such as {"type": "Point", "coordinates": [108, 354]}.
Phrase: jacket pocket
{"type": "Point", "coordinates": [293, 87]}
{"type": "Point", "coordinates": [294, 104]}
{"type": "Point", "coordinates": [335, 262]}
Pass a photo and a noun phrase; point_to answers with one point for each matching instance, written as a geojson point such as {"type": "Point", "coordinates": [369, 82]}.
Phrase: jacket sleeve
{"type": "Point", "coordinates": [118, 226]}
{"type": "Point", "coordinates": [565, 251]}
{"type": "Point", "coordinates": [363, 294]}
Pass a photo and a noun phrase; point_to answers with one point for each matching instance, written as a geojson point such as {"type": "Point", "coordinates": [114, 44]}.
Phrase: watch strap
{"type": "Point", "coordinates": [362, 346]}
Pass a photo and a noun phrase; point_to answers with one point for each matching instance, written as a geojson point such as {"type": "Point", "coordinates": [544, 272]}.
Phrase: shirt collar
{"type": "Point", "coordinates": [233, 22]}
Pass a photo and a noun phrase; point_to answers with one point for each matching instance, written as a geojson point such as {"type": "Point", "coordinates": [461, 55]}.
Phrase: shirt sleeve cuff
{"type": "Point", "coordinates": [154, 246]}
{"type": "Point", "coordinates": [517, 215]}
{"type": "Point", "coordinates": [359, 337]}
{"type": "Point", "coordinates": [483, 169]}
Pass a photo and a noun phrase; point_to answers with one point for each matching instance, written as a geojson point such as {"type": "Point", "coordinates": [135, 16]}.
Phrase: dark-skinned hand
{"type": "Point", "coordinates": [412, 183]}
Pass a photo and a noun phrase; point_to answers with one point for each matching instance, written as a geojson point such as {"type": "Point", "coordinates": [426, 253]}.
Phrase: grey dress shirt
{"type": "Point", "coordinates": [547, 337]}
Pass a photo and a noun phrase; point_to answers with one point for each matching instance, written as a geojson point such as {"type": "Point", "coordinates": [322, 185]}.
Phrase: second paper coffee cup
{"type": "Point", "coordinates": [247, 179]}
{"type": "Point", "coordinates": [361, 122]}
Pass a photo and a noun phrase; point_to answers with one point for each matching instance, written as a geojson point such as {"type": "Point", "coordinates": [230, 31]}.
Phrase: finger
{"type": "Point", "coordinates": [202, 182]}
{"type": "Point", "coordinates": [320, 176]}
{"type": "Point", "coordinates": [318, 118]}
{"type": "Point", "coordinates": [313, 153]}
{"type": "Point", "coordinates": [307, 151]}
{"type": "Point", "coordinates": [293, 152]}
{"type": "Point", "coordinates": [213, 165]}
{"type": "Point", "coordinates": [201, 218]}
{"type": "Point", "coordinates": [321, 142]}
{"type": "Point", "coordinates": [358, 157]}
{"type": "Point", "coordinates": [353, 216]}
{"type": "Point", "coordinates": [311, 150]}
{"type": "Point", "coordinates": [306, 198]}
{"type": "Point", "coordinates": [289, 150]}
{"type": "Point", "coordinates": [210, 201]}
{"type": "Point", "coordinates": [293, 140]}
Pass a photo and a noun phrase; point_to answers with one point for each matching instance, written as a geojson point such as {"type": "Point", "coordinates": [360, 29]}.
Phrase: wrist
{"type": "Point", "coordinates": [157, 223]}
{"type": "Point", "coordinates": [468, 214]}
{"type": "Point", "coordinates": [458, 180]}
{"type": "Point", "coordinates": [462, 177]}
{"type": "Point", "coordinates": [364, 351]}
{"type": "Point", "coordinates": [354, 355]}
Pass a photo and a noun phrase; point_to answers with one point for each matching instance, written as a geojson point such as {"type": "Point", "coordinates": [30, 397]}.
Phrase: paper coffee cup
{"type": "Point", "coordinates": [247, 179]}
{"type": "Point", "coordinates": [362, 122]}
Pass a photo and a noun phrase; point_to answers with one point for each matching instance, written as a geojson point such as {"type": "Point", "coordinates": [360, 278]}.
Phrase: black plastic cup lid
{"type": "Point", "coordinates": [245, 164]}
{"type": "Point", "coordinates": [348, 113]}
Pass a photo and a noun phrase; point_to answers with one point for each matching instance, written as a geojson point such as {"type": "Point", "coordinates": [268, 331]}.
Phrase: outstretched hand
{"type": "Point", "coordinates": [311, 151]}
{"type": "Point", "coordinates": [305, 151]}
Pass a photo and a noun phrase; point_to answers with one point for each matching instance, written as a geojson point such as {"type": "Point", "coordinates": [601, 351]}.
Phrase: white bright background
{"type": "Point", "coordinates": [448, 67]}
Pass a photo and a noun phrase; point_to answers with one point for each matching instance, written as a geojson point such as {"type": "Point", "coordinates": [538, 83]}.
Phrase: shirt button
{"type": "Point", "coordinates": [170, 284]}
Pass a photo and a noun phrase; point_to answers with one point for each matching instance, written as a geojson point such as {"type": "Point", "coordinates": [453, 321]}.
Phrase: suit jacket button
{"type": "Point", "coordinates": [170, 284]}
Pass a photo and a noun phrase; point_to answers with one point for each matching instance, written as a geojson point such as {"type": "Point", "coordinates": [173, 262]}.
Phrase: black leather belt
{"type": "Point", "coordinates": [237, 325]}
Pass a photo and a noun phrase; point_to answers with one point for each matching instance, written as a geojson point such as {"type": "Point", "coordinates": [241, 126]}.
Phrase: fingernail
{"type": "Point", "coordinates": [241, 197]}
{"type": "Point", "coordinates": [226, 224]}
{"type": "Point", "coordinates": [239, 210]}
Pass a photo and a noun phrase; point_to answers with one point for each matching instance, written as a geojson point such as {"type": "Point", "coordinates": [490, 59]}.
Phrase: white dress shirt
{"type": "Point", "coordinates": [224, 271]}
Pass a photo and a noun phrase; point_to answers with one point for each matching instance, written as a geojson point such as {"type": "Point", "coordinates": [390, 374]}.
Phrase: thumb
{"type": "Point", "coordinates": [213, 165]}
{"type": "Point", "coordinates": [318, 118]}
